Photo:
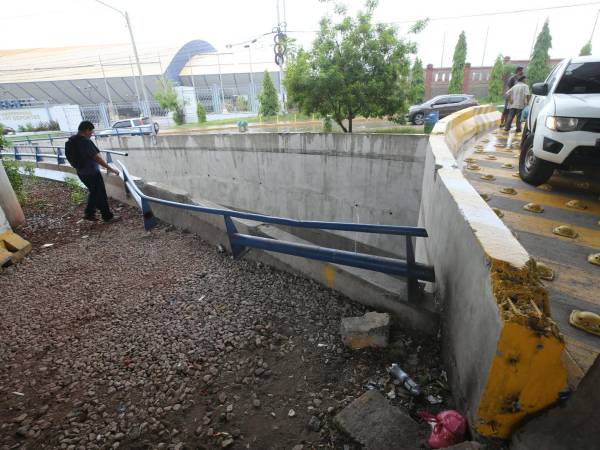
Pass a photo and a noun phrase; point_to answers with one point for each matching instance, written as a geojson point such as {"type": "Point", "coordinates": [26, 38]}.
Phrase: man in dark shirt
{"type": "Point", "coordinates": [85, 157]}
{"type": "Point", "coordinates": [510, 82]}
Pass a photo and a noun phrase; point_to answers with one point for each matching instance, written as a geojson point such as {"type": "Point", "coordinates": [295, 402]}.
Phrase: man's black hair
{"type": "Point", "coordinates": [519, 69]}
{"type": "Point", "coordinates": [86, 125]}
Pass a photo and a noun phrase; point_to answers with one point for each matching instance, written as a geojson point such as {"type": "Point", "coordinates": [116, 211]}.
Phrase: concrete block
{"type": "Point", "coordinates": [13, 247]}
{"type": "Point", "coordinates": [374, 423]}
{"type": "Point", "coordinates": [370, 330]}
{"type": "Point", "coordinates": [575, 426]}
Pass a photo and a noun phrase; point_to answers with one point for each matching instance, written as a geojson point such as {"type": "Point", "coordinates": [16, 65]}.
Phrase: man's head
{"type": "Point", "coordinates": [519, 70]}
{"type": "Point", "coordinates": [86, 129]}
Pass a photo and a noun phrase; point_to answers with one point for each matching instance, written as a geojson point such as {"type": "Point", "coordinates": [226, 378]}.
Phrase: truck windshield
{"type": "Point", "coordinates": [580, 78]}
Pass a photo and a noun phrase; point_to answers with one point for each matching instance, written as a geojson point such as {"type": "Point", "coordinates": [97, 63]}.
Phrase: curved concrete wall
{"type": "Point", "coordinates": [311, 176]}
{"type": "Point", "coordinates": [501, 346]}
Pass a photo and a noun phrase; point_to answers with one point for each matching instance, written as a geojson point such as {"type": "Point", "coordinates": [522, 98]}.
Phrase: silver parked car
{"type": "Point", "coordinates": [131, 127]}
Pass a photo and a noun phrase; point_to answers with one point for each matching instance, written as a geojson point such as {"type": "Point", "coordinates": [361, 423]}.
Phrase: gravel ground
{"type": "Point", "coordinates": [113, 337]}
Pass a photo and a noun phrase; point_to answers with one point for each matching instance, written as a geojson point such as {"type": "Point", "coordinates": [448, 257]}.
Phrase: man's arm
{"type": "Point", "coordinates": [101, 162]}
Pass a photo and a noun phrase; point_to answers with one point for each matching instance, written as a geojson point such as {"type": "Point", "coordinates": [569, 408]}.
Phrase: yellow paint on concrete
{"type": "Point", "coordinates": [12, 247]}
{"type": "Point", "coordinates": [543, 227]}
{"type": "Point", "coordinates": [329, 275]}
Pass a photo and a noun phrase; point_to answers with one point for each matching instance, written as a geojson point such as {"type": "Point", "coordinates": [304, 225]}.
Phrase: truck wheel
{"type": "Point", "coordinates": [533, 170]}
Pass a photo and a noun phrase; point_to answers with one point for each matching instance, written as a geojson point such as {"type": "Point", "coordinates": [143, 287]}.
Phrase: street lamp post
{"type": "Point", "coordinates": [135, 52]}
{"type": "Point", "coordinates": [252, 96]}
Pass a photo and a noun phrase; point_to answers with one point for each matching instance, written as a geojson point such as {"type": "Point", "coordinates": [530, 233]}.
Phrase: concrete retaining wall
{"type": "Point", "coordinates": [501, 346]}
{"type": "Point", "coordinates": [355, 178]}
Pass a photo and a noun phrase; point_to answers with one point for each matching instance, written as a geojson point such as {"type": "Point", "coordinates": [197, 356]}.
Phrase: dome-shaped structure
{"type": "Point", "coordinates": [181, 58]}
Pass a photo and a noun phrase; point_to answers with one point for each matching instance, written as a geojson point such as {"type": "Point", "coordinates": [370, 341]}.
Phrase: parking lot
{"type": "Point", "coordinates": [568, 199]}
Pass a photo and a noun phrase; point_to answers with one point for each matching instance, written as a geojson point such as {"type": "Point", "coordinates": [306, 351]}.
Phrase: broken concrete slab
{"type": "Point", "coordinates": [370, 330]}
{"type": "Point", "coordinates": [377, 425]}
{"type": "Point", "coordinates": [575, 426]}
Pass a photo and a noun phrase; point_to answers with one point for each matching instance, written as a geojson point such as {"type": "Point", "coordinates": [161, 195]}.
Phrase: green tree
{"type": "Point", "coordinates": [496, 83]}
{"type": "Point", "coordinates": [538, 68]}
{"type": "Point", "coordinates": [165, 95]}
{"type": "Point", "coordinates": [201, 112]}
{"type": "Point", "coordinates": [586, 50]}
{"type": "Point", "coordinates": [355, 67]}
{"type": "Point", "coordinates": [417, 82]}
{"type": "Point", "coordinates": [268, 98]}
{"type": "Point", "coordinates": [458, 65]}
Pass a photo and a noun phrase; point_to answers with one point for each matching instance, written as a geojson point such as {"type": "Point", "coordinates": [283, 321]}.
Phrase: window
{"type": "Point", "coordinates": [441, 101]}
{"type": "Point", "coordinates": [137, 122]}
{"type": "Point", "coordinates": [146, 121]}
{"type": "Point", "coordinates": [580, 78]}
{"type": "Point", "coordinates": [456, 99]}
{"type": "Point", "coordinates": [122, 124]}
{"type": "Point", "coordinates": [551, 79]}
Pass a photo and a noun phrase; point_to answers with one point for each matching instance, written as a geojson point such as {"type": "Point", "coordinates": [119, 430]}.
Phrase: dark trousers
{"type": "Point", "coordinates": [97, 198]}
{"type": "Point", "coordinates": [512, 112]}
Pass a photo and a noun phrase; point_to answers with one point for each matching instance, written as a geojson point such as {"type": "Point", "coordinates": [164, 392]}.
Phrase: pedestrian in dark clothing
{"type": "Point", "coordinates": [85, 157]}
{"type": "Point", "coordinates": [510, 82]}
{"type": "Point", "coordinates": [517, 98]}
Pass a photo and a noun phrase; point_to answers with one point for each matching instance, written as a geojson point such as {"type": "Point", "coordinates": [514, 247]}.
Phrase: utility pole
{"type": "Point", "coordinates": [533, 40]}
{"type": "Point", "coordinates": [443, 48]}
{"type": "Point", "coordinates": [252, 96]}
{"type": "Point", "coordinates": [135, 53]}
{"type": "Point", "coordinates": [137, 92]}
{"type": "Point", "coordinates": [485, 45]}
{"type": "Point", "coordinates": [110, 102]}
{"type": "Point", "coordinates": [594, 28]}
{"type": "Point", "coordinates": [221, 82]}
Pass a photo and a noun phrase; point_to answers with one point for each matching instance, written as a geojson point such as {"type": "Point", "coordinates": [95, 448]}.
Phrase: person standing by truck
{"type": "Point", "coordinates": [85, 157]}
{"type": "Point", "coordinates": [510, 82]}
{"type": "Point", "coordinates": [517, 98]}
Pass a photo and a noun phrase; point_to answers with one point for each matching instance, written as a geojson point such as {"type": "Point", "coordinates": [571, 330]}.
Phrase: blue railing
{"type": "Point", "coordinates": [409, 268]}
{"type": "Point", "coordinates": [36, 152]}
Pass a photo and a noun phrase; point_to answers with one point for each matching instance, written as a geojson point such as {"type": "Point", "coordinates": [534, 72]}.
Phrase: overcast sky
{"type": "Point", "coordinates": [42, 23]}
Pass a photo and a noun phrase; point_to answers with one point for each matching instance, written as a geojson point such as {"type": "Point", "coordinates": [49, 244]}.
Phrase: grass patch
{"type": "Point", "coordinates": [394, 130]}
{"type": "Point", "coordinates": [252, 119]}
{"type": "Point", "coordinates": [23, 137]}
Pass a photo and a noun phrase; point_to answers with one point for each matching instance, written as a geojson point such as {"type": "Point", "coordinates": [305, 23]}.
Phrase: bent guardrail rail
{"type": "Point", "coordinates": [240, 243]}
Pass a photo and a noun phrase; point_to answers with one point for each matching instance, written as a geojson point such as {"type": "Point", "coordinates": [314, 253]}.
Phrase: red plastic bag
{"type": "Point", "coordinates": [448, 428]}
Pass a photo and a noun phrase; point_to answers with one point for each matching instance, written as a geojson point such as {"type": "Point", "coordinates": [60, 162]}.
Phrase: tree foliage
{"type": "Point", "coordinates": [538, 68]}
{"type": "Point", "coordinates": [268, 98]}
{"type": "Point", "coordinates": [165, 95]}
{"type": "Point", "coordinates": [586, 50]}
{"type": "Point", "coordinates": [458, 65]}
{"type": "Point", "coordinates": [354, 68]}
{"type": "Point", "coordinates": [496, 83]}
{"type": "Point", "coordinates": [417, 82]}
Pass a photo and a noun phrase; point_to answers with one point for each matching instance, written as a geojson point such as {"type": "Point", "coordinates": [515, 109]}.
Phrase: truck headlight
{"type": "Point", "coordinates": [562, 123]}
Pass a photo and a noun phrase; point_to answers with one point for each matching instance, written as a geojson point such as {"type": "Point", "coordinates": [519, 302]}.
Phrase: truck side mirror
{"type": "Point", "coordinates": [539, 89]}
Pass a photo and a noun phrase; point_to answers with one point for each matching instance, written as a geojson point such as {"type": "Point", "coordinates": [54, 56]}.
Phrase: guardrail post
{"type": "Point", "coordinates": [149, 219]}
{"type": "Point", "coordinates": [411, 281]}
{"type": "Point", "coordinates": [17, 156]}
{"type": "Point", "coordinates": [36, 150]}
{"type": "Point", "coordinates": [236, 249]}
{"type": "Point", "coordinates": [59, 157]}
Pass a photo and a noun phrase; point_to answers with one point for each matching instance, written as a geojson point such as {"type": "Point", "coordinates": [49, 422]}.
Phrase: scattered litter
{"type": "Point", "coordinates": [85, 236]}
{"type": "Point", "coordinates": [392, 394]}
{"type": "Point", "coordinates": [407, 382]}
{"type": "Point", "coordinates": [434, 399]}
{"type": "Point", "coordinates": [291, 413]}
{"type": "Point", "coordinates": [19, 393]}
{"type": "Point", "coordinates": [220, 249]}
{"type": "Point", "coordinates": [448, 428]}
{"type": "Point", "coordinates": [121, 408]}
{"type": "Point", "coordinates": [370, 386]}
{"type": "Point", "coordinates": [47, 245]}
{"type": "Point", "coordinates": [321, 345]}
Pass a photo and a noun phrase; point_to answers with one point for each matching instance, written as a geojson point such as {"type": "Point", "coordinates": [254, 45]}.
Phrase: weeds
{"type": "Point", "coordinates": [77, 193]}
{"type": "Point", "coordinates": [15, 177]}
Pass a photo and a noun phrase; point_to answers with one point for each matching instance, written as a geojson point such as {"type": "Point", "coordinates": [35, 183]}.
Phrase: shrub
{"type": "Point", "coordinates": [15, 177]}
{"type": "Point", "coordinates": [77, 193]}
{"type": "Point", "coordinates": [178, 114]}
{"type": "Point", "coordinates": [201, 113]}
{"type": "Point", "coordinates": [327, 125]}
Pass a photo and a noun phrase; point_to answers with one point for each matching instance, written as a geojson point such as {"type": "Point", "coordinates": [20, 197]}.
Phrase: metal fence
{"type": "Point", "coordinates": [102, 115]}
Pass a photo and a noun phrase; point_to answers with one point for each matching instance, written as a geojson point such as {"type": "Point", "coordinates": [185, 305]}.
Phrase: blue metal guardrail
{"type": "Point", "coordinates": [410, 269]}
{"type": "Point", "coordinates": [35, 152]}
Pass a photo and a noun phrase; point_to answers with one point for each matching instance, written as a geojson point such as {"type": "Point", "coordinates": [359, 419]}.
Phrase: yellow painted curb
{"type": "Point", "coordinates": [13, 248]}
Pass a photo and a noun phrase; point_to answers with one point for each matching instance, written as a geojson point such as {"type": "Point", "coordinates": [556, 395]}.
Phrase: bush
{"type": "Point", "coordinates": [178, 114]}
{"type": "Point", "coordinates": [16, 178]}
{"type": "Point", "coordinates": [327, 125]}
{"type": "Point", "coordinates": [77, 193]}
{"type": "Point", "coordinates": [241, 103]}
{"type": "Point", "coordinates": [201, 113]}
{"type": "Point", "coordinates": [3, 141]}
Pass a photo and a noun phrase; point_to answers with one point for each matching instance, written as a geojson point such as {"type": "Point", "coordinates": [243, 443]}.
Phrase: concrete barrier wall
{"type": "Point", "coordinates": [501, 346]}
{"type": "Point", "coordinates": [311, 176]}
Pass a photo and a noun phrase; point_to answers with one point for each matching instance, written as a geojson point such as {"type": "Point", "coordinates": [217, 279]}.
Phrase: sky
{"type": "Point", "coordinates": [59, 23]}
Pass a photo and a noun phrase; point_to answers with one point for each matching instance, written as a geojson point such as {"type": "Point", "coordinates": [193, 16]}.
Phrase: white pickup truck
{"type": "Point", "coordinates": [563, 127]}
{"type": "Point", "coordinates": [130, 127]}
